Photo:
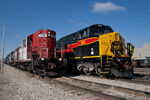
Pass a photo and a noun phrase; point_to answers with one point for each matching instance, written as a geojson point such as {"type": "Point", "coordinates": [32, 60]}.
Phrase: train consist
{"type": "Point", "coordinates": [96, 49]}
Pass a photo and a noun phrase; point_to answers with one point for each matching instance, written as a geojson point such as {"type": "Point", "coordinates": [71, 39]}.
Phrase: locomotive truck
{"type": "Point", "coordinates": [96, 49]}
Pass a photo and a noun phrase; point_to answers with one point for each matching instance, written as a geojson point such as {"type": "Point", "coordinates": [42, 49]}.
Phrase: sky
{"type": "Point", "coordinates": [130, 18]}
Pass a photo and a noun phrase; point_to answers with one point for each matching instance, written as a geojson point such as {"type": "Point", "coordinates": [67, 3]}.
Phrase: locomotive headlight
{"type": "Point", "coordinates": [42, 58]}
{"type": "Point", "coordinates": [60, 59]}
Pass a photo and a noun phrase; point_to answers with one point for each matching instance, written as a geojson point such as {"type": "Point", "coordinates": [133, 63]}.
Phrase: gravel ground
{"type": "Point", "coordinates": [134, 86]}
{"type": "Point", "coordinates": [103, 89]}
{"type": "Point", "coordinates": [20, 85]}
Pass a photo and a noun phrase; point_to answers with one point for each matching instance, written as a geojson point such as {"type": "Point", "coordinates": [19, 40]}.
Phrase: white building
{"type": "Point", "coordinates": [142, 55]}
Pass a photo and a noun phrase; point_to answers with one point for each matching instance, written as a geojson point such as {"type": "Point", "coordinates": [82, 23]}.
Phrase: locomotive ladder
{"type": "Point", "coordinates": [107, 65]}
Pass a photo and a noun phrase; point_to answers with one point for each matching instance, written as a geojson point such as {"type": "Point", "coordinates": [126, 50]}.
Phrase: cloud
{"type": "Point", "coordinates": [105, 7]}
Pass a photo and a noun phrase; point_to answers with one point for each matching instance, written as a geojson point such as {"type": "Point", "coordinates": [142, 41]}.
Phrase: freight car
{"type": "Point", "coordinates": [99, 50]}
{"type": "Point", "coordinates": [37, 53]}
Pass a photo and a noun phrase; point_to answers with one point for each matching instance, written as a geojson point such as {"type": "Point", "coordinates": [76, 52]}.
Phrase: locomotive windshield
{"type": "Point", "coordinates": [42, 35]}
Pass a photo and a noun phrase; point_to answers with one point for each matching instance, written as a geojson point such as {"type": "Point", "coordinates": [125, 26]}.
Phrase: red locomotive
{"type": "Point", "coordinates": [37, 53]}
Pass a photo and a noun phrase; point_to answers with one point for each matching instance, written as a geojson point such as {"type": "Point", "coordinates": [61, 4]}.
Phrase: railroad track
{"type": "Point", "coordinates": [78, 89]}
{"type": "Point", "coordinates": [142, 71]}
{"type": "Point", "coordinates": [135, 84]}
{"type": "Point", "coordinates": [103, 90]}
{"type": "Point", "coordinates": [81, 88]}
{"type": "Point", "coordinates": [138, 79]}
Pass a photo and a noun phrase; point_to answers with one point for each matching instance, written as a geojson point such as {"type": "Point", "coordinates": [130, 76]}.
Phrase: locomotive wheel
{"type": "Point", "coordinates": [87, 72]}
{"type": "Point", "coordinates": [84, 68]}
{"type": "Point", "coordinates": [63, 70]}
{"type": "Point", "coordinates": [51, 66]}
{"type": "Point", "coordinates": [31, 68]}
{"type": "Point", "coordinates": [131, 72]}
{"type": "Point", "coordinates": [98, 71]}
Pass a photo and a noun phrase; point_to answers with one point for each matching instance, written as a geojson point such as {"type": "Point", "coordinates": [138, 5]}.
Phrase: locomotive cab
{"type": "Point", "coordinates": [103, 55]}
{"type": "Point", "coordinates": [43, 51]}
{"type": "Point", "coordinates": [44, 42]}
{"type": "Point", "coordinates": [112, 52]}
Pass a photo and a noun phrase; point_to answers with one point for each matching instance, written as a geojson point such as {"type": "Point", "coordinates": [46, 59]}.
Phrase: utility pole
{"type": "Point", "coordinates": [3, 43]}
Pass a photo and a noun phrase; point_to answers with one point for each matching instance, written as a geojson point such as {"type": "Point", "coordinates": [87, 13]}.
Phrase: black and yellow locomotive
{"type": "Point", "coordinates": [97, 50]}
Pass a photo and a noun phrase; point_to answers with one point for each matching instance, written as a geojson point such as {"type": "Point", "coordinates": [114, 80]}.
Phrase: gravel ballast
{"type": "Point", "coordinates": [20, 85]}
{"type": "Point", "coordinates": [16, 84]}
{"type": "Point", "coordinates": [118, 83]}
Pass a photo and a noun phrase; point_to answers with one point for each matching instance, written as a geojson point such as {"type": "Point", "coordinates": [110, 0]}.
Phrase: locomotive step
{"type": "Point", "coordinates": [104, 72]}
{"type": "Point", "coordinates": [107, 65]}
{"type": "Point", "coordinates": [106, 68]}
